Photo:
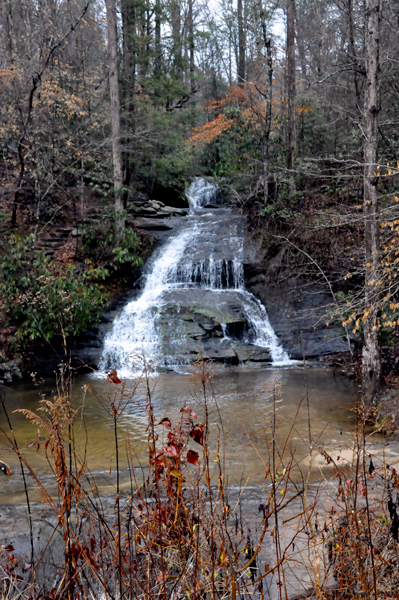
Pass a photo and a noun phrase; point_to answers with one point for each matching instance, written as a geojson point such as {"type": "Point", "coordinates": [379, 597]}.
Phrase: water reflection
{"type": "Point", "coordinates": [241, 404]}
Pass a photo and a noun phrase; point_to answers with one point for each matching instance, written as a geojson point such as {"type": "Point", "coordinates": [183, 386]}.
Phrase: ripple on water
{"type": "Point", "coordinates": [243, 398]}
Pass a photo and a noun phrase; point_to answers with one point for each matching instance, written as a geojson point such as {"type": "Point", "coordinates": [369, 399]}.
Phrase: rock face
{"type": "Point", "coordinates": [171, 196]}
{"type": "Point", "coordinates": [154, 216]}
{"type": "Point", "coordinates": [191, 323]}
{"type": "Point", "coordinates": [294, 308]}
{"type": "Point", "coordinates": [297, 308]}
{"type": "Point", "coordinates": [152, 224]}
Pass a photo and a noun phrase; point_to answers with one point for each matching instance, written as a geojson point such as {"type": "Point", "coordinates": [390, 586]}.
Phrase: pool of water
{"type": "Point", "coordinates": [242, 404]}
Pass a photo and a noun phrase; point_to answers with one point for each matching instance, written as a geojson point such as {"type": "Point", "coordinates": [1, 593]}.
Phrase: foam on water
{"type": "Point", "coordinates": [202, 192]}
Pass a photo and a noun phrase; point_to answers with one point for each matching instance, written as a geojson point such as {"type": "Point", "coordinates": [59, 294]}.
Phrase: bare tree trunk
{"type": "Point", "coordinates": [115, 114]}
{"type": "Point", "coordinates": [353, 52]}
{"type": "Point", "coordinates": [230, 57]}
{"type": "Point", "coordinates": [158, 47]}
{"type": "Point", "coordinates": [128, 11]}
{"type": "Point", "coordinates": [301, 49]}
{"type": "Point", "coordinates": [191, 43]}
{"type": "Point", "coordinates": [371, 377]}
{"type": "Point", "coordinates": [10, 31]}
{"type": "Point", "coordinates": [176, 33]}
{"type": "Point", "coordinates": [291, 89]}
{"type": "Point", "coordinates": [241, 43]}
{"type": "Point", "coordinates": [268, 106]}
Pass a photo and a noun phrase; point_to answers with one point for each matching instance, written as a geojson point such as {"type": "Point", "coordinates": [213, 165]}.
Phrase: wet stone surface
{"type": "Point", "coordinates": [193, 301]}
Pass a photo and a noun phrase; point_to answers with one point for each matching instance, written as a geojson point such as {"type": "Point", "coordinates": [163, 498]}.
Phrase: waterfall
{"type": "Point", "coordinates": [200, 267]}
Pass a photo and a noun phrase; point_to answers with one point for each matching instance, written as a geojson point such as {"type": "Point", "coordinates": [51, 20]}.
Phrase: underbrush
{"type": "Point", "coordinates": [182, 532]}
{"type": "Point", "coordinates": [100, 245]}
{"type": "Point", "coordinates": [43, 299]}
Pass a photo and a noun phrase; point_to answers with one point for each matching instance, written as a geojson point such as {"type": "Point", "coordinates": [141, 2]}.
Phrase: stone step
{"type": "Point", "coordinates": [60, 234]}
{"type": "Point", "coordinates": [48, 244]}
{"type": "Point", "coordinates": [48, 252]}
{"type": "Point", "coordinates": [146, 223]}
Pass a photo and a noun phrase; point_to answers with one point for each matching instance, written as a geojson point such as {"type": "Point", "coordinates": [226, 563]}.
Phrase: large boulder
{"type": "Point", "coordinates": [190, 323]}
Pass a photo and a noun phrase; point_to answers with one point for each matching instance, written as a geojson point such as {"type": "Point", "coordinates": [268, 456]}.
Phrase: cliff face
{"type": "Point", "coordinates": [297, 306]}
{"type": "Point", "coordinates": [297, 310]}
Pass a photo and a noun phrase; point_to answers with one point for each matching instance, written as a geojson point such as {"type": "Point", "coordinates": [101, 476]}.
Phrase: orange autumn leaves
{"type": "Point", "coordinates": [248, 100]}
{"type": "Point", "coordinates": [211, 130]}
{"type": "Point", "coordinates": [222, 122]}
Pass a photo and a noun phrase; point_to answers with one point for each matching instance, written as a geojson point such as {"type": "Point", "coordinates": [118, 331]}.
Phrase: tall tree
{"type": "Point", "coordinates": [190, 18]}
{"type": "Point", "coordinates": [353, 51]}
{"type": "Point", "coordinates": [291, 87]}
{"type": "Point", "coordinates": [371, 349]}
{"type": "Point", "coordinates": [115, 113]}
{"type": "Point", "coordinates": [241, 42]}
{"type": "Point", "coordinates": [128, 13]}
{"type": "Point", "coordinates": [301, 49]}
{"type": "Point", "coordinates": [268, 98]}
{"type": "Point", "coordinates": [158, 47]}
{"type": "Point", "coordinates": [176, 36]}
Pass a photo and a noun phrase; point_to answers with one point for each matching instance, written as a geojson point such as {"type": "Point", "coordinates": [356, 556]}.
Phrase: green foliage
{"type": "Point", "coordinates": [99, 243]}
{"type": "Point", "coordinates": [238, 149]}
{"type": "Point", "coordinates": [46, 300]}
{"type": "Point", "coordinates": [315, 137]}
{"type": "Point", "coordinates": [277, 210]}
{"type": "Point", "coordinates": [172, 168]}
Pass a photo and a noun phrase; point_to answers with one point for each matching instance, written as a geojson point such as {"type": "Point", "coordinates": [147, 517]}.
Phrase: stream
{"type": "Point", "coordinates": [241, 405]}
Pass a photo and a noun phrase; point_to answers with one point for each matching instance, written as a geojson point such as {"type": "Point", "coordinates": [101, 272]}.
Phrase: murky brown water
{"type": "Point", "coordinates": [242, 401]}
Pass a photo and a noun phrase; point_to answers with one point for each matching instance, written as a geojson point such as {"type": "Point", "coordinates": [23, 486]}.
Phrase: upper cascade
{"type": "Point", "coordinates": [194, 299]}
{"type": "Point", "coordinates": [202, 192]}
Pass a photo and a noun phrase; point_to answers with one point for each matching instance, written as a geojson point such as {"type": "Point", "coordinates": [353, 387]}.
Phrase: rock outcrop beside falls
{"type": "Point", "coordinates": [154, 215]}
{"type": "Point", "coordinates": [297, 307]}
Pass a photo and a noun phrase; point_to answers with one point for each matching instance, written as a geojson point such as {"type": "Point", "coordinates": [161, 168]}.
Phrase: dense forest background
{"type": "Point", "coordinates": [292, 105]}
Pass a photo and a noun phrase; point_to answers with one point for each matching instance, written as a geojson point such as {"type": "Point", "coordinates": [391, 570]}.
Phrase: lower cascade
{"type": "Point", "coordinates": [194, 300]}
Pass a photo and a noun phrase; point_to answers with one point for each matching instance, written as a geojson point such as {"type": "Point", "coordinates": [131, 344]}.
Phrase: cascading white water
{"type": "Point", "coordinates": [201, 192]}
{"type": "Point", "coordinates": [198, 257]}
{"type": "Point", "coordinates": [134, 331]}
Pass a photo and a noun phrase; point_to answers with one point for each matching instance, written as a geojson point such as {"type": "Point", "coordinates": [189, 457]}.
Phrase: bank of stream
{"type": "Point", "coordinates": [242, 403]}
